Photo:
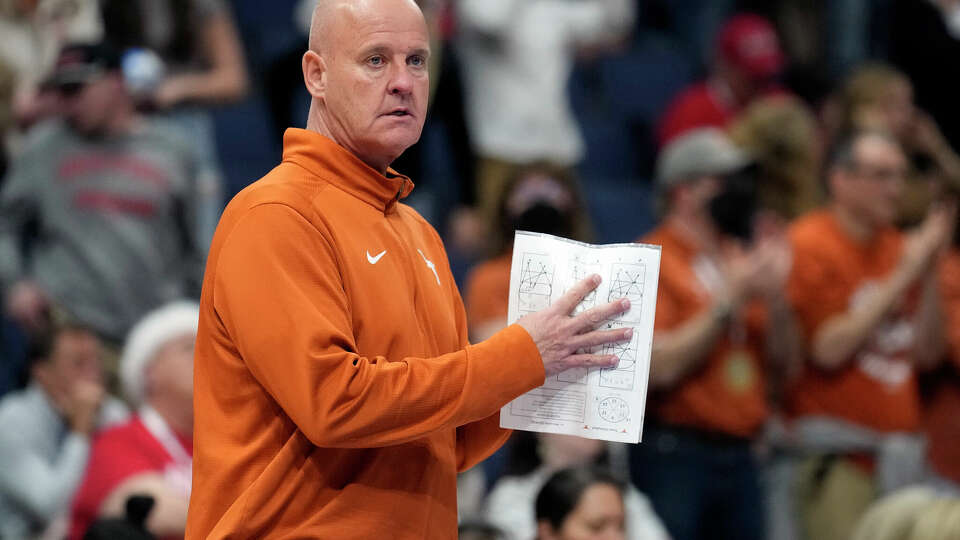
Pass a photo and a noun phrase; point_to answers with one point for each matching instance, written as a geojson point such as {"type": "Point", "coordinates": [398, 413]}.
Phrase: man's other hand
{"type": "Point", "coordinates": [563, 340]}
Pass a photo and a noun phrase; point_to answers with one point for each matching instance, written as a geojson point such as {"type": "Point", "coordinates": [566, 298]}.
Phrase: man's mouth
{"type": "Point", "coordinates": [399, 112]}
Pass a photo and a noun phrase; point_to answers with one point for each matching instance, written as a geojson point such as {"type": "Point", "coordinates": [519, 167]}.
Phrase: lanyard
{"type": "Point", "coordinates": [164, 435]}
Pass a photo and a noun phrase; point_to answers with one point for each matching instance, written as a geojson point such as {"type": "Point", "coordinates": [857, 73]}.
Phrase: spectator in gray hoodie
{"type": "Point", "coordinates": [99, 216]}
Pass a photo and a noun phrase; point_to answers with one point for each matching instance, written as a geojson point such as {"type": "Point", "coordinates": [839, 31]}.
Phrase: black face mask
{"type": "Point", "coordinates": [734, 208]}
{"type": "Point", "coordinates": [544, 218]}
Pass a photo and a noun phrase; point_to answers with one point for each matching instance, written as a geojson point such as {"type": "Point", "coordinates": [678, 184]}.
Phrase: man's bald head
{"type": "Point", "coordinates": [367, 73]}
{"type": "Point", "coordinates": [328, 16]}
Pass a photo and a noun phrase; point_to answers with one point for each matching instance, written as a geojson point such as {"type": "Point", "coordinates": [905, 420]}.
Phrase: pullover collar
{"type": "Point", "coordinates": [335, 164]}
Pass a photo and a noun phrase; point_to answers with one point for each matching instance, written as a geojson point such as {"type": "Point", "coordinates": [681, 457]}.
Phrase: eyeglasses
{"type": "Point", "coordinates": [70, 89]}
{"type": "Point", "coordinates": [879, 173]}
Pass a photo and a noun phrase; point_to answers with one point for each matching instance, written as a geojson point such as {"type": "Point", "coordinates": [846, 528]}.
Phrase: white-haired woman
{"type": "Point", "coordinates": [152, 454]}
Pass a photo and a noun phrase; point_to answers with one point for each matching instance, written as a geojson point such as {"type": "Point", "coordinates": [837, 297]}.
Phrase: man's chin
{"type": "Point", "coordinates": [84, 131]}
{"type": "Point", "coordinates": [395, 146]}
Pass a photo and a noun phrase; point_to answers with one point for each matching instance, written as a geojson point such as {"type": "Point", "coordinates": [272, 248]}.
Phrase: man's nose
{"type": "Point", "coordinates": [401, 81]}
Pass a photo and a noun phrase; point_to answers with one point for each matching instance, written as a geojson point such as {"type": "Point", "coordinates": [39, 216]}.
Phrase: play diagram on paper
{"type": "Point", "coordinates": [624, 375]}
{"type": "Point", "coordinates": [597, 403]}
{"type": "Point", "coordinates": [626, 281]}
{"type": "Point", "coordinates": [536, 283]}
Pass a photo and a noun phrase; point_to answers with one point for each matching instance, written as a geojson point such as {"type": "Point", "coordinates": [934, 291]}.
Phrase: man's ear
{"type": "Point", "coordinates": [40, 371]}
{"type": "Point", "coordinates": [314, 74]}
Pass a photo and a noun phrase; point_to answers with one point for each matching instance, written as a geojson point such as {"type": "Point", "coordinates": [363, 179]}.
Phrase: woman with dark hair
{"type": "Point", "coordinates": [509, 505]}
{"type": "Point", "coordinates": [581, 503]}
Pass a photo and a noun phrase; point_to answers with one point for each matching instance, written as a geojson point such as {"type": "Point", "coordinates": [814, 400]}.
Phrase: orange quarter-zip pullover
{"type": "Point", "coordinates": [335, 393]}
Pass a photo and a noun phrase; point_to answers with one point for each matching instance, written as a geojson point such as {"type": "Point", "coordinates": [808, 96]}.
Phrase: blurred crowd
{"type": "Point", "coordinates": [796, 160]}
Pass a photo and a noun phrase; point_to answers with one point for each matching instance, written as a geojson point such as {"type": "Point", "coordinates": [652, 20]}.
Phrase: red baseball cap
{"type": "Point", "coordinates": [750, 43]}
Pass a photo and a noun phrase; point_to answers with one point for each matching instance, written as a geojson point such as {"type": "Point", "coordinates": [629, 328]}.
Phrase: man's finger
{"type": "Point", "coordinates": [577, 293]}
{"type": "Point", "coordinates": [602, 337]}
{"type": "Point", "coordinates": [595, 316]}
{"type": "Point", "coordinates": [592, 361]}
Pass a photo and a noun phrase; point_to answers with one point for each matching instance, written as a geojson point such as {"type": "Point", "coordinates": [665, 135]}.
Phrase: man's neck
{"type": "Point", "coordinates": [317, 124]}
{"type": "Point", "coordinates": [121, 124]}
{"type": "Point", "coordinates": [125, 121]}
{"type": "Point", "coordinates": [177, 417]}
{"type": "Point", "coordinates": [859, 230]}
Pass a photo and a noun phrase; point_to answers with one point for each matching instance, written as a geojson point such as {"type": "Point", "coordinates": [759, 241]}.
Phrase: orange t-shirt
{"type": "Point", "coordinates": [877, 388]}
{"type": "Point", "coordinates": [942, 412]}
{"type": "Point", "coordinates": [335, 393]}
{"type": "Point", "coordinates": [488, 291]}
{"type": "Point", "coordinates": [727, 394]}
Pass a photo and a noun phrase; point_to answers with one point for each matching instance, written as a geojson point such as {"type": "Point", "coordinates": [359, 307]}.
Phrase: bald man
{"type": "Point", "coordinates": [335, 392]}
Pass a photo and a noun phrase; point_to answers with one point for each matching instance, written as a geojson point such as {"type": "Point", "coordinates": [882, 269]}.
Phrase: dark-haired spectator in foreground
{"type": "Point", "coordinates": [580, 503]}
{"type": "Point", "coordinates": [152, 454]}
{"type": "Point", "coordinates": [508, 503]}
{"type": "Point", "coordinates": [116, 199]}
{"type": "Point", "coordinates": [747, 63]}
{"type": "Point", "coordinates": [723, 323]}
{"type": "Point", "coordinates": [868, 301]}
{"type": "Point", "coordinates": [45, 431]}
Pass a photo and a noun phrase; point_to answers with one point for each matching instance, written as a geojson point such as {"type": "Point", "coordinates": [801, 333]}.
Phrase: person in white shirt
{"type": "Point", "coordinates": [517, 58]}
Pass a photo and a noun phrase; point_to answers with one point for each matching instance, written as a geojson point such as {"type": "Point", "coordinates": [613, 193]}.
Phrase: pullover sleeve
{"type": "Point", "coordinates": [476, 441]}
{"type": "Point", "coordinates": [280, 298]}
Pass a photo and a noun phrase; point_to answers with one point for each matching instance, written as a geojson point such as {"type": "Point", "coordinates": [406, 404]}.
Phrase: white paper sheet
{"type": "Point", "coordinates": [605, 404]}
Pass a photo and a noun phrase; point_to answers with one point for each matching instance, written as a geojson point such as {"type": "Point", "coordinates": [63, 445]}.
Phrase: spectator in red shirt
{"type": "Point", "coordinates": [748, 62]}
{"type": "Point", "coordinates": [152, 453]}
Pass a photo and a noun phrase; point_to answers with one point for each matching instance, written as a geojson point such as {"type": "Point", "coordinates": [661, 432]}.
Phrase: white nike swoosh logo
{"type": "Point", "coordinates": [375, 260]}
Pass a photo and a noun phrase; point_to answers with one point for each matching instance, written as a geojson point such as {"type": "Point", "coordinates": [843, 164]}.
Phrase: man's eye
{"type": "Point", "coordinates": [376, 61]}
{"type": "Point", "coordinates": [417, 61]}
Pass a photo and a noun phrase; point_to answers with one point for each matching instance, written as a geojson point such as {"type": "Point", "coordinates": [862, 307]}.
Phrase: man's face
{"type": "Point", "coordinates": [871, 188]}
{"type": "Point", "coordinates": [171, 370]}
{"type": "Point", "coordinates": [76, 356]}
{"type": "Point", "coordinates": [376, 78]}
{"type": "Point", "coordinates": [88, 106]}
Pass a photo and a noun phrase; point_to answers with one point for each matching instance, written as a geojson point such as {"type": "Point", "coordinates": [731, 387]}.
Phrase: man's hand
{"type": "Point", "coordinates": [84, 405]}
{"type": "Point", "coordinates": [760, 270]}
{"type": "Point", "coordinates": [773, 260]}
{"type": "Point", "coordinates": [28, 305]}
{"type": "Point", "coordinates": [930, 239]}
{"type": "Point", "coordinates": [561, 338]}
